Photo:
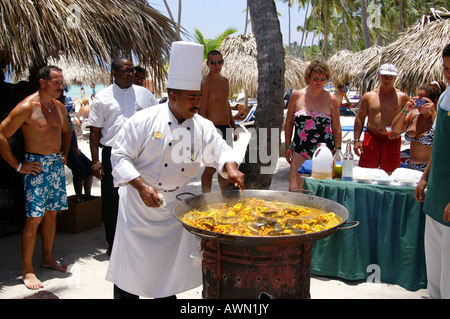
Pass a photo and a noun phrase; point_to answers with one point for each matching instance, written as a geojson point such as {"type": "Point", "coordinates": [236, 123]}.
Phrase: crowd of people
{"type": "Point", "coordinates": [313, 118]}
{"type": "Point", "coordinates": [132, 141]}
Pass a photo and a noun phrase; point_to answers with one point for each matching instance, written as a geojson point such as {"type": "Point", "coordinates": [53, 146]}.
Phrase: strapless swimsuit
{"type": "Point", "coordinates": [312, 128]}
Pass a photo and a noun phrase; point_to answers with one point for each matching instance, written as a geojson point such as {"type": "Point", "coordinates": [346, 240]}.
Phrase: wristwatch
{"type": "Point", "coordinates": [356, 140]}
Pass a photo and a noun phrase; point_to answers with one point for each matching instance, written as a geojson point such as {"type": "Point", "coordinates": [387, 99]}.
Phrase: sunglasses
{"type": "Point", "coordinates": [131, 71]}
{"type": "Point", "coordinates": [318, 79]}
{"type": "Point", "coordinates": [216, 62]}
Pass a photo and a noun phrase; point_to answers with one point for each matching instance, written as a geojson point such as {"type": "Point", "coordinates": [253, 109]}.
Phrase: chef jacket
{"type": "Point", "coordinates": [112, 106]}
{"type": "Point", "coordinates": [153, 255]}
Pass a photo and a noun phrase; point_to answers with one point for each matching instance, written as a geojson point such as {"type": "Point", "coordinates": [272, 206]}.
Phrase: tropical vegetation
{"type": "Point", "coordinates": [212, 44]}
{"type": "Point", "coordinates": [354, 25]}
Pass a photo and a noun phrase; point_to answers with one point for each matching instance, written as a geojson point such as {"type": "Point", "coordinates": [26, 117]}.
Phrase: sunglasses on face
{"type": "Point", "coordinates": [318, 79]}
{"type": "Point", "coordinates": [216, 62]}
{"type": "Point", "coordinates": [131, 71]}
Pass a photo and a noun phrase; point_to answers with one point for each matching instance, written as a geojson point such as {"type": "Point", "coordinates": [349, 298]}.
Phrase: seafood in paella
{"type": "Point", "coordinates": [258, 217]}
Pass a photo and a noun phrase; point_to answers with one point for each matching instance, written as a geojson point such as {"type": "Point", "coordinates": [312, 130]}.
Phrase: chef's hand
{"type": "Point", "coordinates": [234, 175]}
{"type": "Point", "coordinates": [148, 194]}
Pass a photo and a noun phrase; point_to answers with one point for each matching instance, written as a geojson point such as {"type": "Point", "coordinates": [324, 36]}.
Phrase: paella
{"type": "Point", "coordinates": [259, 217]}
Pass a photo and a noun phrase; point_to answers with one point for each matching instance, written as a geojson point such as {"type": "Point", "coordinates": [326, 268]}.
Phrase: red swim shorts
{"type": "Point", "coordinates": [379, 151]}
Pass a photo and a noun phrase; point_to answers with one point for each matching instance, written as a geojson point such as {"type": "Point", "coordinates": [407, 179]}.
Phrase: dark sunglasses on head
{"type": "Point", "coordinates": [215, 62]}
{"type": "Point", "coordinates": [317, 79]}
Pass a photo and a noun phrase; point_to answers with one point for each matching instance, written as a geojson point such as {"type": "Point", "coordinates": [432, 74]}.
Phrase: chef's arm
{"type": "Point", "coordinates": [234, 175]}
{"type": "Point", "coordinates": [148, 194]}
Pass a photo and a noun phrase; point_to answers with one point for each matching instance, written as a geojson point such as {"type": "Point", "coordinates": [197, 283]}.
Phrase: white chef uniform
{"type": "Point", "coordinates": [153, 255]}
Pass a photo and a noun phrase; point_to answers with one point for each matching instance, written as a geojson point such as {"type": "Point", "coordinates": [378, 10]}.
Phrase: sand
{"type": "Point", "coordinates": [85, 253]}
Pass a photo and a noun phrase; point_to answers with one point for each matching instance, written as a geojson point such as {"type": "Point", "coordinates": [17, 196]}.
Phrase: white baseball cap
{"type": "Point", "coordinates": [388, 69]}
{"type": "Point", "coordinates": [185, 66]}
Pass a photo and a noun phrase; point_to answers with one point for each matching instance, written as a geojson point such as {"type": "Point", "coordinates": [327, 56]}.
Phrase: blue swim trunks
{"type": "Point", "coordinates": [47, 190]}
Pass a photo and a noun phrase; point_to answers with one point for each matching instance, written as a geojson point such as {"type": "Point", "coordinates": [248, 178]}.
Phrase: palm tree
{"type": "Point", "coordinates": [364, 25]}
{"type": "Point", "coordinates": [171, 16]}
{"type": "Point", "coordinates": [212, 44]}
{"type": "Point", "coordinates": [302, 4]}
{"type": "Point", "coordinates": [271, 69]}
{"type": "Point", "coordinates": [323, 10]}
{"type": "Point", "coordinates": [289, 4]}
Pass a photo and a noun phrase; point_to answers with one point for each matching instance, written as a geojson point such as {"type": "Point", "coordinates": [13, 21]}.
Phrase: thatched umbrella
{"type": "Point", "coordinates": [90, 31]}
{"type": "Point", "coordinates": [417, 55]}
{"type": "Point", "coordinates": [241, 69]}
{"type": "Point", "coordinates": [345, 64]}
{"type": "Point", "coordinates": [74, 72]}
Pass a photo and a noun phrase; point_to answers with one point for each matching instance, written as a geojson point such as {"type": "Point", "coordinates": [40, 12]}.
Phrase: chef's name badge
{"type": "Point", "coordinates": [157, 135]}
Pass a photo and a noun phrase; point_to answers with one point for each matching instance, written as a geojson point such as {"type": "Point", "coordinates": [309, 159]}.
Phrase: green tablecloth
{"type": "Point", "coordinates": [390, 234]}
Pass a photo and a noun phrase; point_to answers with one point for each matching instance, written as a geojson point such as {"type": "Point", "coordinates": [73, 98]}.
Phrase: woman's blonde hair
{"type": "Point", "coordinates": [318, 66]}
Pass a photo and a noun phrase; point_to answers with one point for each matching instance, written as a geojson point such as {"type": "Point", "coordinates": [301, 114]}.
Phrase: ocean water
{"type": "Point", "coordinates": [75, 90]}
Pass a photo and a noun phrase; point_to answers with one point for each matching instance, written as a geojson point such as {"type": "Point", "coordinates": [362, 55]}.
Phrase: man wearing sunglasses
{"type": "Point", "coordinates": [215, 106]}
{"type": "Point", "coordinates": [111, 108]}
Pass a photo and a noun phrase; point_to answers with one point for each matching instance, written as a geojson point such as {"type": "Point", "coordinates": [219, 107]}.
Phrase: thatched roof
{"type": "Point", "coordinates": [345, 64]}
{"type": "Point", "coordinates": [241, 67]}
{"type": "Point", "coordinates": [417, 55]}
{"type": "Point", "coordinates": [89, 31]}
{"type": "Point", "coordinates": [74, 72]}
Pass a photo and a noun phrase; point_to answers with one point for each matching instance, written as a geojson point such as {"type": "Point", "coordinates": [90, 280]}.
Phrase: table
{"type": "Point", "coordinates": [390, 235]}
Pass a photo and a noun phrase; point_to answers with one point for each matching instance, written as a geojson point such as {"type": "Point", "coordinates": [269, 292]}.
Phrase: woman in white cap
{"type": "Point", "coordinates": [156, 153]}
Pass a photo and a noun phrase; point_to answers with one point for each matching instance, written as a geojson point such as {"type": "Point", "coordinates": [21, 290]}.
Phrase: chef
{"type": "Point", "coordinates": [155, 155]}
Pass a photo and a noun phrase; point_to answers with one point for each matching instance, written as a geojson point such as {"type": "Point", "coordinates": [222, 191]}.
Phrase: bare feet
{"type": "Point", "coordinates": [31, 282]}
{"type": "Point", "coordinates": [54, 265]}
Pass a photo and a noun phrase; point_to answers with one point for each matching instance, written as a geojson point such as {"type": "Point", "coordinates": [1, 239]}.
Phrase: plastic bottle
{"type": "Point", "coordinates": [347, 167]}
{"type": "Point", "coordinates": [337, 167]}
{"type": "Point", "coordinates": [322, 163]}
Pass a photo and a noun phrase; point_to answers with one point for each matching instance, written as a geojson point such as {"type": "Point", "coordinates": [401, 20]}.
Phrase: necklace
{"type": "Point", "coordinates": [49, 109]}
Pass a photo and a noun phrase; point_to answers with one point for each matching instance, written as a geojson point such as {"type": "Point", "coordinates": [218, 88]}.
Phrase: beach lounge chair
{"type": "Point", "coordinates": [69, 105]}
{"type": "Point", "coordinates": [347, 129]}
{"type": "Point", "coordinates": [249, 119]}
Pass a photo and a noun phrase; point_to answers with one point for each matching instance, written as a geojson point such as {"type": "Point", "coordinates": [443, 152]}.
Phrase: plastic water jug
{"type": "Point", "coordinates": [322, 163]}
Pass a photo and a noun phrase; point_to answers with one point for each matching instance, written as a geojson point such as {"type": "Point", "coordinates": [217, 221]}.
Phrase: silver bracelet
{"type": "Point", "coordinates": [18, 168]}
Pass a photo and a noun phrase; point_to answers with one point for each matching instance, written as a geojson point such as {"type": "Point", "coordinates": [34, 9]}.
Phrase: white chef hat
{"type": "Point", "coordinates": [185, 66]}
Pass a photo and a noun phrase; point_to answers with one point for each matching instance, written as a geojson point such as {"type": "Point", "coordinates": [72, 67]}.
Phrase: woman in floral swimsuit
{"type": "Point", "coordinates": [314, 113]}
{"type": "Point", "coordinates": [312, 128]}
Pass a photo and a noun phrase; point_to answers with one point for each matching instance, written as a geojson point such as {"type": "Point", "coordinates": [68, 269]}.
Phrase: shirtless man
{"type": "Point", "coordinates": [215, 106]}
{"type": "Point", "coordinates": [381, 106]}
{"type": "Point", "coordinates": [341, 95]}
{"type": "Point", "coordinates": [45, 126]}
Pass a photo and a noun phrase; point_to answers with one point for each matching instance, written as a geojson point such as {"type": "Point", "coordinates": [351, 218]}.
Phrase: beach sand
{"type": "Point", "coordinates": [85, 253]}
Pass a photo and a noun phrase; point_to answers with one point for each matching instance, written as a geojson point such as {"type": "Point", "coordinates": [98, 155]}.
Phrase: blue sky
{"type": "Point", "coordinates": [214, 17]}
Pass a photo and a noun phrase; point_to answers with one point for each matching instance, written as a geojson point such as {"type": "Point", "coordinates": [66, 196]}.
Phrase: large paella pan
{"type": "Point", "coordinates": [234, 198]}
